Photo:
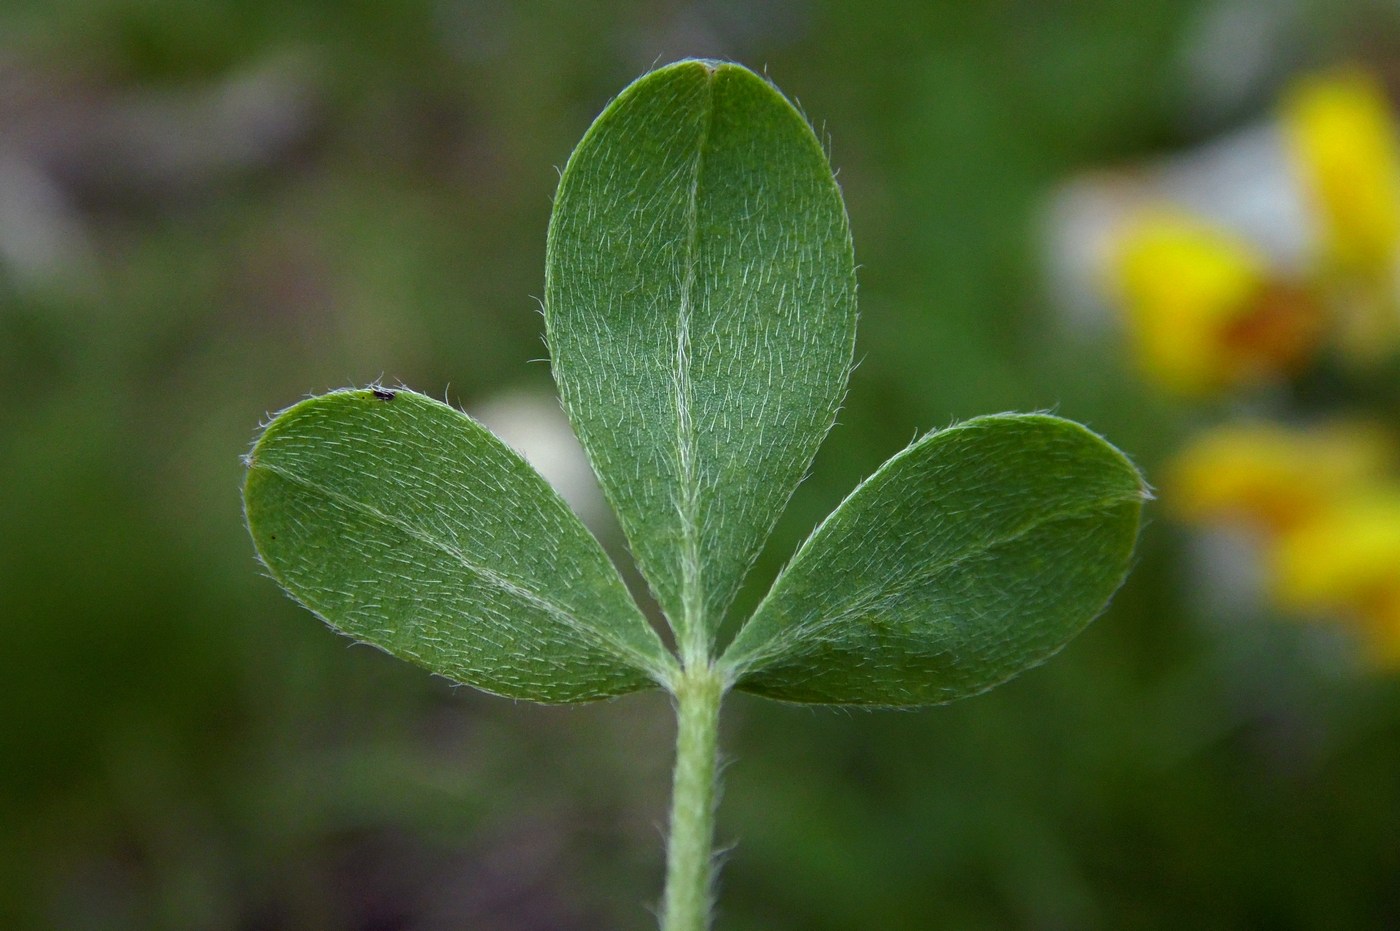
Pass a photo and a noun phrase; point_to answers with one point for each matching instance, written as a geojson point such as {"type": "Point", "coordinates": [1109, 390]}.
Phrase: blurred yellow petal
{"type": "Point", "coordinates": [1345, 556]}
{"type": "Point", "coordinates": [1204, 312]}
{"type": "Point", "coordinates": [1345, 561]}
{"type": "Point", "coordinates": [1271, 477]}
{"type": "Point", "coordinates": [1342, 135]}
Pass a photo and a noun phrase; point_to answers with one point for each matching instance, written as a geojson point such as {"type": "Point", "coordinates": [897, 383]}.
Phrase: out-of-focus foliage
{"type": "Point", "coordinates": [207, 209]}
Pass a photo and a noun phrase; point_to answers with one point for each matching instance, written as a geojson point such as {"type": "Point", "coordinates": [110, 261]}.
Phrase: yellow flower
{"type": "Point", "coordinates": [1204, 311]}
{"type": "Point", "coordinates": [1342, 138]}
{"type": "Point", "coordinates": [1272, 478]}
{"type": "Point", "coordinates": [1325, 505]}
{"type": "Point", "coordinates": [1345, 560]}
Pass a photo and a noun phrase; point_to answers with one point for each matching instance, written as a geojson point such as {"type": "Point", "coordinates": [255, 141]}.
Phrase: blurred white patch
{"type": "Point", "coordinates": [1226, 574]}
{"type": "Point", "coordinates": [534, 425]}
{"type": "Point", "coordinates": [1235, 51]}
{"type": "Point", "coordinates": [42, 240]}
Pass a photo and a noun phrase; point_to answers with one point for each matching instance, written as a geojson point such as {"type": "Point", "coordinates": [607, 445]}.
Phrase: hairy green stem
{"type": "Point", "coordinates": [689, 851]}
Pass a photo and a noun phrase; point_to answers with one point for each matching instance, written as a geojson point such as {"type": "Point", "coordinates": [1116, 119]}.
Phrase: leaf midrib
{"type": "Point", "coordinates": [695, 639]}
{"type": "Point", "coordinates": [501, 580]}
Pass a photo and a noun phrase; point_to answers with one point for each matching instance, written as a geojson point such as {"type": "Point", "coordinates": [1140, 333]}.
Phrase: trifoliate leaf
{"type": "Point", "coordinates": [972, 555]}
{"type": "Point", "coordinates": [402, 522]}
{"type": "Point", "coordinates": [700, 306]}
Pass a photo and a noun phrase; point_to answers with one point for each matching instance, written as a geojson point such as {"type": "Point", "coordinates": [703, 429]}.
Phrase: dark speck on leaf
{"type": "Point", "coordinates": [384, 394]}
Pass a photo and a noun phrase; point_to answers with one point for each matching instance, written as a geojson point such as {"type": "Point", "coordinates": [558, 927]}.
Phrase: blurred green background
{"type": "Point", "coordinates": [208, 210]}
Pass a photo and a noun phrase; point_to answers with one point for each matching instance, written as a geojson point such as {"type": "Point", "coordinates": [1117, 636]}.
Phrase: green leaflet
{"type": "Point", "coordinates": [700, 307]}
{"type": "Point", "coordinates": [403, 523]}
{"type": "Point", "coordinates": [972, 555]}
